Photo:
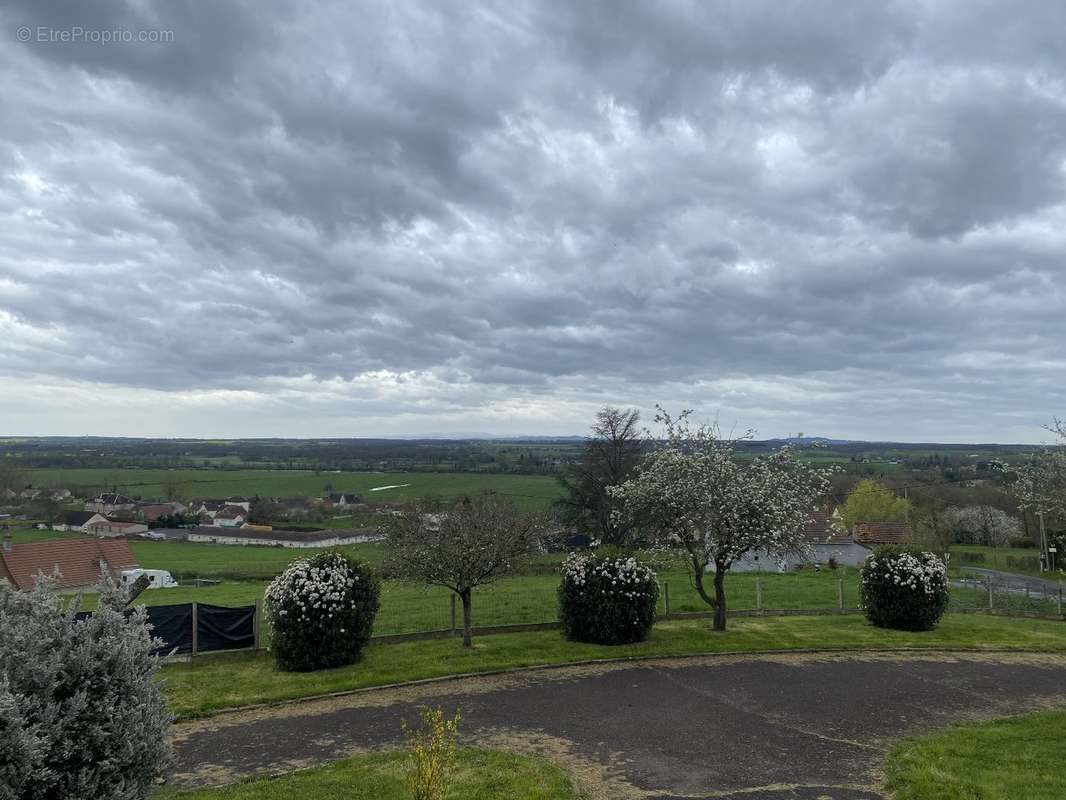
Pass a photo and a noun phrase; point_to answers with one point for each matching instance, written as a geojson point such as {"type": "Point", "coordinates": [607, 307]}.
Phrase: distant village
{"type": "Point", "coordinates": [221, 521]}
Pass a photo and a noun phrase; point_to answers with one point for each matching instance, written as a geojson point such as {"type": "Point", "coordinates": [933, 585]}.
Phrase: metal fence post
{"type": "Point", "coordinates": [758, 593]}
{"type": "Point", "coordinates": [453, 613]}
{"type": "Point", "coordinates": [840, 593]}
{"type": "Point", "coordinates": [256, 644]}
{"type": "Point", "coordinates": [666, 596]}
{"type": "Point", "coordinates": [195, 628]}
{"type": "Point", "coordinates": [1060, 599]}
{"type": "Point", "coordinates": [989, 592]}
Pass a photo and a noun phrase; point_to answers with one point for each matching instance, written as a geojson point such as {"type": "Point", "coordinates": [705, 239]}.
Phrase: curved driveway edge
{"type": "Point", "coordinates": [787, 725]}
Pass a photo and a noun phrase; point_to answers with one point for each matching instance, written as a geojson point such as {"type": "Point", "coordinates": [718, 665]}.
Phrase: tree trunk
{"type": "Point", "coordinates": [698, 571]}
{"type": "Point", "coordinates": [468, 639]}
{"type": "Point", "coordinates": [719, 596]}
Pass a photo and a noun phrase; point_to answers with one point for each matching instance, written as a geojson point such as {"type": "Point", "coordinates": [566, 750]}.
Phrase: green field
{"type": "Point", "coordinates": [1008, 759]}
{"type": "Point", "coordinates": [150, 484]}
{"type": "Point", "coordinates": [228, 680]}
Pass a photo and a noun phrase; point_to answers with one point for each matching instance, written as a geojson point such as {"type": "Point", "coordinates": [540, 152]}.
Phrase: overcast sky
{"type": "Point", "coordinates": [363, 219]}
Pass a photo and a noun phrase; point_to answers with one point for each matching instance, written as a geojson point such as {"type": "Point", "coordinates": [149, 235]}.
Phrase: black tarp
{"type": "Point", "coordinates": [218, 627]}
{"type": "Point", "coordinates": [222, 628]}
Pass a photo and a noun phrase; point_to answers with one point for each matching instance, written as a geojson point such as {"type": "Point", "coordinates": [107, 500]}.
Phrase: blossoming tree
{"type": "Point", "coordinates": [694, 496]}
{"type": "Point", "coordinates": [1041, 484]}
{"type": "Point", "coordinates": [467, 545]}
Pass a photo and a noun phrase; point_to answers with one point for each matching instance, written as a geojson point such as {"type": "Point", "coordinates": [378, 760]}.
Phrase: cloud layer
{"type": "Point", "coordinates": [362, 219]}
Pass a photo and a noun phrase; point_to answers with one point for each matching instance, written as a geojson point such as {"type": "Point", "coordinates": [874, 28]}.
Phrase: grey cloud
{"type": "Point", "coordinates": [751, 207]}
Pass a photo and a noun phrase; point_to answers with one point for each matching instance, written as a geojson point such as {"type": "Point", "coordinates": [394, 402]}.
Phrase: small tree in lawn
{"type": "Point", "coordinates": [695, 497]}
{"type": "Point", "coordinates": [465, 545]}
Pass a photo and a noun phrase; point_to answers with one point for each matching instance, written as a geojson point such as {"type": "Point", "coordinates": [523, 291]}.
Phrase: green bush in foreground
{"type": "Point", "coordinates": [81, 712]}
{"type": "Point", "coordinates": [903, 588]}
{"type": "Point", "coordinates": [607, 599]}
{"type": "Point", "coordinates": [321, 612]}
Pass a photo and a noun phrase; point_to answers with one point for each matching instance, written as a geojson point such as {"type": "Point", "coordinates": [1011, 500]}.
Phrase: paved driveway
{"type": "Point", "coordinates": [800, 726]}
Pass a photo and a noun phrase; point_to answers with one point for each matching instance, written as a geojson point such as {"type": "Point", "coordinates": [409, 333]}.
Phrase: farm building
{"type": "Point", "coordinates": [78, 563]}
{"type": "Point", "coordinates": [254, 536]}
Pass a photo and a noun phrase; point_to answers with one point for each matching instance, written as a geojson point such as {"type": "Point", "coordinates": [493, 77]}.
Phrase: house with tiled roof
{"type": "Point", "coordinates": [229, 517]}
{"type": "Point", "coordinates": [110, 503]}
{"type": "Point", "coordinates": [874, 534]}
{"type": "Point", "coordinates": [827, 542]}
{"type": "Point", "coordinates": [76, 563]}
{"type": "Point", "coordinates": [76, 520]}
{"type": "Point", "coordinates": [341, 499]}
{"type": "Point", "coordinates": [110, 528]}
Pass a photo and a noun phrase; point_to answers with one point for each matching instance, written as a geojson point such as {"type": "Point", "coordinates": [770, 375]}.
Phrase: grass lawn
{"type": "Point", "coordinates": [1008, 759]}
{"type": "Point", "coordinates": [148, 484]}
{"type": "Point", "coordinates": [480, 775]}
{"type": "Point", "coordinates": [225, 681]}
{"type": "Point", "coordinates": [409, 607]}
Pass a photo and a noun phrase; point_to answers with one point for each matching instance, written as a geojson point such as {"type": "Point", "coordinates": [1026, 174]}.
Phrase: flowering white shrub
{"type": "Point", "coordinates": [81, 712]}
{"type": "Point", "coordinates": [607, 599]}
{"type": "Point", "coordinates": [904, 588]}
{"type": "Point", "coordinates": [321, 611]}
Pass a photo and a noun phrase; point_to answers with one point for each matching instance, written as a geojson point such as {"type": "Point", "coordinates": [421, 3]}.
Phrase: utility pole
{"type": "Point", "coordinates": [1043, 541]}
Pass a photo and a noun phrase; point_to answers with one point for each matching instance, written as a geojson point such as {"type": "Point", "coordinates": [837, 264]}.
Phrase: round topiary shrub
{"type": "Point", "coordinates": [607, 599]}
{"type": "Point", "coordinates": [321, 611]}
{"type": "Point", "coordinates": [903, 588]}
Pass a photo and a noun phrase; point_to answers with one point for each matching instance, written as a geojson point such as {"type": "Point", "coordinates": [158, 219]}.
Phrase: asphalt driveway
{"type": "Point", "coordinates": [790, 726]}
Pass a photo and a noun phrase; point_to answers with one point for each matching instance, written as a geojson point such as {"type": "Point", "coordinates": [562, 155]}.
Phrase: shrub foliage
{"type": "Point", "coordinates": [434, 749]}
{"type": "Point", "coordinates": [904, 588]}
{"type": "Point", "coordinates": [607, 599]}
{"type": "Point", "coordinates": [321, 612]}
{"type": "Point", "coordinates": [81, 713]}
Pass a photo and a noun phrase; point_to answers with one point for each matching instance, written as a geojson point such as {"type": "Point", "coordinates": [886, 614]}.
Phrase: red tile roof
{"type": "Point", "coordinates": [820, 528]}
{"type": "Point", "coordinates": [883, 533]}
{"type": "Point", "coordinates": [77, 560]}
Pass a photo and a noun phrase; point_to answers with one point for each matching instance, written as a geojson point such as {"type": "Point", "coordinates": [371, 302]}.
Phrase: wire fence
{"type": "Point", "coordinates": [976, 591]}
{"type": "Point", "coordinates": [410, 609]}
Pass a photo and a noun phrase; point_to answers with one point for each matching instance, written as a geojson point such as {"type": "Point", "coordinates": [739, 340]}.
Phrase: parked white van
{"type": "Point", "coordinates": [158, 578]}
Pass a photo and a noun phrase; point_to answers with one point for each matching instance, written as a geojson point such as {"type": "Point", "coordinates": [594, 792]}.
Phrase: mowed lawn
{"type": "Point", "coordinates": [527, 490]}
{"type": "Point", "coordinates": [1007, 759]}
{"type": "Point", "coordinates": [229, 680]}
{"type": "Point", "coordinates": [408, 607]}
{"type": "Point", "coordinates": [411, 607]}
